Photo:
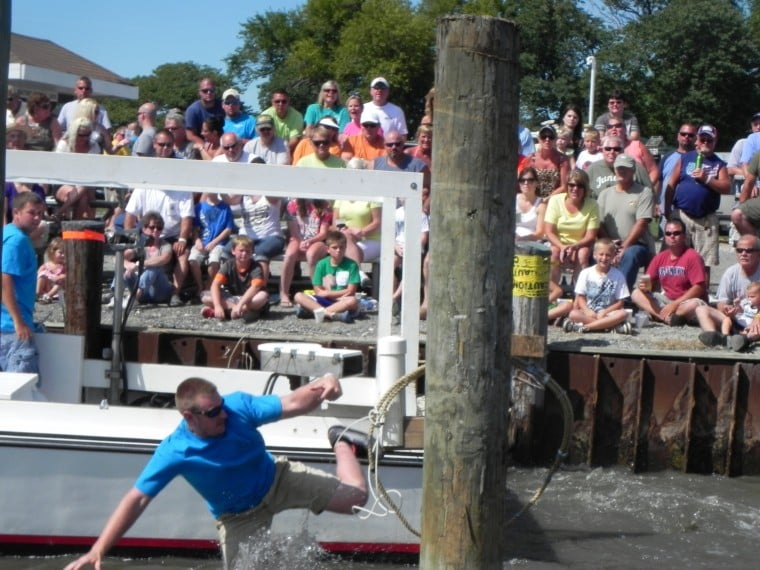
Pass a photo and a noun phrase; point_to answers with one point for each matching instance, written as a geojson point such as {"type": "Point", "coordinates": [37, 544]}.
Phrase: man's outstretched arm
{"type": "Point", "coordinates": [129, 510]}
{"type": "Point", "coordinates": [307, 398]}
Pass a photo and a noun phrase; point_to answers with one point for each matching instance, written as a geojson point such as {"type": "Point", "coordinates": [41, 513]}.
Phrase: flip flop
{"type": "Point", "coordinates": [286, 303]}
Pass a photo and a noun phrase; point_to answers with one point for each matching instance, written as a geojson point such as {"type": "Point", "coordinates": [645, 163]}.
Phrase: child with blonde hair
{"type": "Point", "coordinates": [51, 276]}
{"type": "Point", "coordinates": [590, 153]}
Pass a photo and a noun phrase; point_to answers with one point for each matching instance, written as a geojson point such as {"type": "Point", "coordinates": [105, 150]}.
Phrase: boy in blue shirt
{"type": "Point", "coordinates": [215, 224]}
{"type": "Point", "coordinates": [336, 280]}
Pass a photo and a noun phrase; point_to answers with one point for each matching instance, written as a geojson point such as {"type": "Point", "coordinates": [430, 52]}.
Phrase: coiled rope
{"type": "Point", "coordinates": [523, 371]}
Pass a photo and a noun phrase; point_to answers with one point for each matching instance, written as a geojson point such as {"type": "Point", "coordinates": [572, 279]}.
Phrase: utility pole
{"type": "Point", "coordinates": [470, 317]}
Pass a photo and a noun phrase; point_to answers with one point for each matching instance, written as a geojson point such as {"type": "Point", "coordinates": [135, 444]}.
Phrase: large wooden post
{"type": "Point", "coordinates": [472, 235]}
{"type": "Point", "coordinates": [83, 246]}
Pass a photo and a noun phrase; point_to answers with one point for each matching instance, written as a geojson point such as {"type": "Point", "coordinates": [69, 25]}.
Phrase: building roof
{"type": "Point", "coordinates": [41, 65]}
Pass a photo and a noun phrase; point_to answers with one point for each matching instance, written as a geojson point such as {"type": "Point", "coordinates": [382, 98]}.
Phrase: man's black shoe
{"type": "Point", "coordinates": [359, 441]}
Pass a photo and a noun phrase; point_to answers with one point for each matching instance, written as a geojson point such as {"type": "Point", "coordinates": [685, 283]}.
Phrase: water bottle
{"type": "Point", "coordinates": [699, 161]}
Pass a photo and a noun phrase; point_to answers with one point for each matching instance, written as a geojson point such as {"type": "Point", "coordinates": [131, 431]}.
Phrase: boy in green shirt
{"type": "Point", "coordinates": [336, 280]}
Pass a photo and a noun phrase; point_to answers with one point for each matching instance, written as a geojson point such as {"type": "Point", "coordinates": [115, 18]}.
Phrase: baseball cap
{"type": "Point", "coordinates": [328, 122]}
{"type": "Point", "coordinates": [231, 94]}
{"type": "Point", "coordinates": [625, 161]}
{"type": "Point", "coordinates": [379, 82]}
{"type": "Point", "coordinates": [547, 130]}
{"type": "Point", "coordinates": [264, 120]}
{"type": "Point", "coordinates": [756, 116]}
{"type": "Point", "coordinates": [369, 116]}
{"type": "Point", "coordinates": [708, 130]}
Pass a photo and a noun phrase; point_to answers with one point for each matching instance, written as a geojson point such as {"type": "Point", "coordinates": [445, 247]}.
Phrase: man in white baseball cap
{"type": "Point", "coordinates": [391, 116]}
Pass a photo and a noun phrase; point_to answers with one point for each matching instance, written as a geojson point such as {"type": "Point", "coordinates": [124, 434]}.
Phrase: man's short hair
{"type": "Point", "coordinates": [241, 239]}
{"type": "Point", "coordinates": [617, 94]}
{"type": "Point", "coordinates": [335, 237]}
{"type": "Point", "coordinates": [25, 198]}
{"type": "Point", "coordinates": [676, 221]}
{"type": "Point", "coordinates": [189, 389]}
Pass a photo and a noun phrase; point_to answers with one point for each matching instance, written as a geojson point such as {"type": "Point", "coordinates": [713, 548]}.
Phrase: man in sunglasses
{"type": "Point", "coordinates": [732, 287]}
{"type": "Point", "coordinates": [686, 139]}
{"type": "Point", "coordinates": [601, 174]}
{"type": "Point", "coordinates": [391, 116]}
{"type": "Point", "coordinates": [207, 106]}
{"type": "Point", "coordinates": [219, 450]}
{"type": "Point", "coordinates": [233, 150]}
{"type": "Point", "coordinates": [82, 90]}
{"type": "Point", "coordinates": [288, 123]}
{"type": "Point", "coordinates": [693, 194]}
{"type": "Point", "coordinates": [675, 282]}
{"type": "Point", "coordinates": [268, 146]}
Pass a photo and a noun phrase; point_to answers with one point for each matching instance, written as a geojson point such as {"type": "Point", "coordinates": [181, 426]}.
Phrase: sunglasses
{"type": "Point", "coordinates": [688, 135]}
{"type": "Point", "coordinates": [706, 140]}
{"type": "Point", "coordinates": [208, 90]}
{"type": "Point", "coordinates": [232, 102]}
{"type": "Point", "coordinates": [370, 125]}
{"type": "Point", "coordinates": [547, 137]}
{"type": "Point", "coordinates": [615, 125]}
{"type": "Point", "coordinates": [84, 135]}
{"type": "Point", "coordinates": [394, 144]}
{"type": "Point", "coordinates": [264, 129]}
{"type": "Point", "coordinates": [746, 250]}
{"type": "Point", "coordinates": [573, 185]}
{"type": "Point", "coordinates": [613, 148]}
{"type": "Point", "coordinates": [329, 90]}
{"type": "Point", "coordinates": [280, 101]}
{"type": "Point", "coordinates": [84, 88]}
{"type": "Point", "coordinates": [674, 234]}
{"type": "Point", "coordinates": [154, 228]}
{"type": "Point", "coordinates": [229, 146]}
{"type": "Point", "coordinates": [320, 142]}
{"type": "Point", "coordinates": [212, 413]}
{"type": "Point", "coordinates": [526, 180]}
{"type": "Point", "coordinates": [172, 129]}
{"type": "Point", "coordinates": [164, 144]}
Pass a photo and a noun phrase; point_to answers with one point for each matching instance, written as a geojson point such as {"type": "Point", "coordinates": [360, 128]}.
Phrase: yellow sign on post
{"type": "Point", "coordinates": [530, 276]}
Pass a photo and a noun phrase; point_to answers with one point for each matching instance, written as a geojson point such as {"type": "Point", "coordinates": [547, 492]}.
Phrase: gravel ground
{"type": "Point", "coordinates": [282, 323]}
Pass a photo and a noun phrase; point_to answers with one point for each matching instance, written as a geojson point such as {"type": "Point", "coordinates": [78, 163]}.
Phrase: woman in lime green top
{"type": "Point", "coordinates": [571, 224]}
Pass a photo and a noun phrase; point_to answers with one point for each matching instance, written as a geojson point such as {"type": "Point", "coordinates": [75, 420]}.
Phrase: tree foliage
{"type": "Point", "coordinates": [169, 86]}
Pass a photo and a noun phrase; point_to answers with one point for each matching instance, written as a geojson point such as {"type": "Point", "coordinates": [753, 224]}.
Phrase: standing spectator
{"type": "Point", "coordinates": [15, 107]}
{"type": "Point", "coordinates": [82, 89]}
{"type": "Point", "coordinates": [18, 352]}
{"type": "Point", "coordinates": [235, 120]}
{"type": "Point", "coordinates": [391, 116]}
{"type": "Point", "coordinates": [591, 152]}
{"type": "Point", "coordinates": [737, 173]}
{"type": "Point", "coordinates": [572, 119]}
{"type": "Point", "coordinates": [599, 295]}
{"type": "Point", "coordinates": [686, 142]}
{"type": "Point", "coordinates": [268, 146]}
{"type": "Point", "coordinates": [367, 145]}
{"type": "Point", "coordinates": [625, 211]}
{"type": "Point", "coordinates": [44, 131]}
{"type": "Point", "coordinates": [207, 106]}
{"type": "Point", "coordinates": [238, 290]}
{"type": "Point", "coordinates": [288, 123]}
{"type": "Point", "coordinates": [146, 118]}
{"type": "Point", "coordinates": [693, 194]}
{"type": "Point", "coordinates": [176, 210]}
{"type": "Point", "coordinates": [675, 282]}
{"type": "Point", "coordinates": [51, 275]}
{"type": "Point", "coordinates": [616, 103]}
{"type": "Point", "coordinates": [327, 105]}
{"type": "Point", "coordinates": [602, 172]}
{"type": "Point", "coordinates": [525, 137]}
{"type": "Point", "coordinates": [214, 225]}
{"type": "Point", "coordinates": [354, 106]}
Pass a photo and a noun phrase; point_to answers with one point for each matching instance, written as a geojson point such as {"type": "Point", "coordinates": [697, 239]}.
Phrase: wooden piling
{"type": "Point", "coordinates": [83, 247]}
{"type": "Point", "coordinates": [468, 375]}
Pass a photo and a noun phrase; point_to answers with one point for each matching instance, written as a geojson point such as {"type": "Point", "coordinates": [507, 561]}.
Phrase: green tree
{"type": "Point", "coordinates": [694, 59]}
{"type": "Point", "coordinates": [171, 85]}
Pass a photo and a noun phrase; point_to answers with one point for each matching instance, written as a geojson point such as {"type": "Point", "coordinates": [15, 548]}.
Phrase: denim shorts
{"type": "Point", "coordinates": [18, 355]}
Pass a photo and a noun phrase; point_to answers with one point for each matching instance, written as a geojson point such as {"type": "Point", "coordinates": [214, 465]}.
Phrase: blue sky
{"type": "Point", "coordinates": [134, 37]}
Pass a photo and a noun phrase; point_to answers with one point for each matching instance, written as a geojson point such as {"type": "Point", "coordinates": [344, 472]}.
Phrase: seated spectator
{"type": "Point", "coordinates": [602, 172]}
{"type": "Point", "coordinates": [559, 308]}
{"type": "Point", "coordinates": [599, 295]}
{"type": "Point", "coordinates": [43, 129]}
{"type": "Point", "coordinates": [232, 150]}
{"type": "Point", "coordinates": [733, 288]}
{"type": "Point", "coordinates": [571, 118]}
{"type": "Point", "coordinates": [591, 152]}
{"type": "Point", "coordinates": [359, 221]}
{"type": "Point", "coordinates": [235, 120]}
{"type": "Point", "coordinates": [153, 284]}
{"type": "Point", "coordinates": [238, 290]}
{"type": "Point", "coordinates": [564, 144]}
{"type": "Point", "coordinates": [51, 275]}
{"type": "Point", "coordinates": [75, 200]}
{"type": "Point", "coordinates": [261, 223]}
{"type": "Point", "coordinates": [336, 280]}
{"type": "Point", "coordinates": [367, 145]}
{"type": "Point", "coordinates": [354, 106]}
{"type": "Point", "coordinates": [320, 155]}
{"type": "Point", "coordinates": [88, 108]}
{"type": "Point", "coordinates": [616, 103]}
{"type": "Point", "coordinates": [214, 224]}
{"type": "Point", "coordinates": [400, 244]}
{"type": "Point", "coordinates": [424, 149]}
{"type": "Point", "coordinates": [571, 224]}
{"type": "Point", "coordinates": [551, 165]}
{"type": "Point", "coordinates": [305, 146]}
{"type": "Point", "coordinates": [309, 222]}
{"type": "Point", "coordinates": [639, 152]}
{"type": "Point", "coordinates": [529, 207]}
{"type": "Point", "coordinates": [675, 282]}
{"type": "Point", "coordinates": [327, 105]}
{"type": "Point", "coordinates": [268, 146]}
{"type": "Point", "coordinates": [183, 147]}
{"type": "Point", "coordinates": [750, 308]}
{"type": "Point", "coordinates": [211, 131]}
{"type": "Point", "coordinates": [625, 211]}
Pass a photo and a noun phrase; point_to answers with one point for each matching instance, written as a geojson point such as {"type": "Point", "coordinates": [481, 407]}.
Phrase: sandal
{"type": "Point", "coordinates": [286, 303]}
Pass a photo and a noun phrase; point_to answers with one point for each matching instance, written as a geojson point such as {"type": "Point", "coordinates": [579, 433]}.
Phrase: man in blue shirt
{"type": "Point", "coordinates": [218, 449]}
{"type": "Point", "coordinates": [18, 352]}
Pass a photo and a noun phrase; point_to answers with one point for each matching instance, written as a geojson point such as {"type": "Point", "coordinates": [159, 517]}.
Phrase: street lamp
{"type": "Point", "coordinates": [591, 62]}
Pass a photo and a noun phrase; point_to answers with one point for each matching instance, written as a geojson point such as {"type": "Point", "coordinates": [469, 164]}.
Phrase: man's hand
{"type": "Point", "coordinates": [84, 561]}
{"type": "Point", "coordinates": [328, 386]}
